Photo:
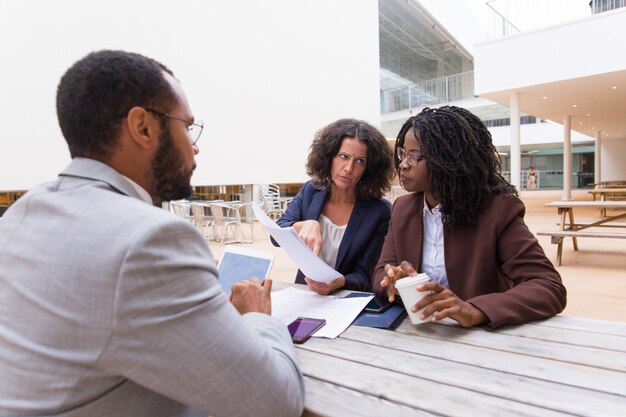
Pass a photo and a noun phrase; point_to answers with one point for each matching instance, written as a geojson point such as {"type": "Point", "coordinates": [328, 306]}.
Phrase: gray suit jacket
{"type": "Point", "coordinates": [110, 307]}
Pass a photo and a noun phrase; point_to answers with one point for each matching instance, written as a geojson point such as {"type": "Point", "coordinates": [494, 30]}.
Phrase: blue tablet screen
{"type": "Point", "coordinates": [234, 267]}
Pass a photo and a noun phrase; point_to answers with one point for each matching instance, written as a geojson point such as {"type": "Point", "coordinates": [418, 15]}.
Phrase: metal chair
{"type": "Point", "coordinates": [222, 221]}
{"type": "Point", "coordinates": [273, 204]}
{"type": "Point", "coordinates": [202, 219]}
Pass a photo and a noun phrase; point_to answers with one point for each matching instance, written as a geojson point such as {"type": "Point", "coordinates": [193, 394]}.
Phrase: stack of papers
{"type": "Point", "coordinates": [291, 303]}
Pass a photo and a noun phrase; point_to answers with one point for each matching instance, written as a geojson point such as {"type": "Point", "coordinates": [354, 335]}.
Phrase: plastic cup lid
{"type": "Point", "coordinates": [413, 280]}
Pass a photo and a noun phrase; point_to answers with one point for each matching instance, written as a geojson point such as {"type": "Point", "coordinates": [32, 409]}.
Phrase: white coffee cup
{"type": "Point", "coordinates": [410, 296]}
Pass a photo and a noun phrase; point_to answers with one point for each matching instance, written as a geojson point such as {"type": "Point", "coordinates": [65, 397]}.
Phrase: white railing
{"type": "Point", "coordinates": [428, 93]}
{"type": "Point", "coordinates": [553, 179]}
{"type": "Point", "coordinates": [511, 16]}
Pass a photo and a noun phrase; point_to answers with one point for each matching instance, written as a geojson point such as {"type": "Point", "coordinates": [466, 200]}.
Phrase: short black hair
{"type": "Point", "coordinates": [463, 164]}
{"type": "Point", "coordinates": [379, 167]}
{"type": "Point", "coordinates": [96, 93]}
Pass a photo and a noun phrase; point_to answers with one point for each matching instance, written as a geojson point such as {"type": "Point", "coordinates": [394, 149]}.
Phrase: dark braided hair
{"type": "Point", "coordinates": [379, 167]}
{"type": "Point", "coordinates": [462, 162]}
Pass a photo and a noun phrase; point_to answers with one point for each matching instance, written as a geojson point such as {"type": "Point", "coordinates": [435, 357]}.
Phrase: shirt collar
{"type": "Point", "coordinates": [143, 193]}
{"type": "Point", "coordinates": [436, 211]}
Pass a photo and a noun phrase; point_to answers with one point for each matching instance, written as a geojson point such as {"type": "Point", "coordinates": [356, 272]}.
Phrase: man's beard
{"type": "Point", "coordinates": [171, 179]}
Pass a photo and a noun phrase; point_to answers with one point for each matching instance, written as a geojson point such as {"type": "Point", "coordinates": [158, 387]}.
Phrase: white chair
{"type": "Point", "coordinates": [273, 204]}
{"type": "Point", "coordinates": [181, 209]}
{"type": "Point", "coordinates": [222, 221]}
{"type": "Point", "coordinates": [202, 219]}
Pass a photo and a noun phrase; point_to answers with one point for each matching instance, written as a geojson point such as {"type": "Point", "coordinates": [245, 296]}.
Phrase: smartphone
{"type": "Point", "coordinates": [303, 327]}
{"type": "Point", "coordinates": [378, 304]}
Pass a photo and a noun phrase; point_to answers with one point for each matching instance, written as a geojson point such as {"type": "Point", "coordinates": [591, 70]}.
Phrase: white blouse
{"type": "Point", "coordinates": [332, 235]}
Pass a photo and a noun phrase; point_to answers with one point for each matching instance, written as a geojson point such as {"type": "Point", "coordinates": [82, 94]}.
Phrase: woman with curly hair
{"type": "Point", "coordinates": [340, 214]}
{"type": "Point", "coordinates": [464, 227]}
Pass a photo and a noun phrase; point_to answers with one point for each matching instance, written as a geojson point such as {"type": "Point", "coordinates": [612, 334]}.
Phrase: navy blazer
{"type": "Point", "coordinates": [362, 241]}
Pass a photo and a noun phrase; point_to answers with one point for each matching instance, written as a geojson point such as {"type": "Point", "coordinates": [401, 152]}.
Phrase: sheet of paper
{"type": "Point", "coordinates": [291, 303]}
{"type": "Point", "coordinates": [309, 263]}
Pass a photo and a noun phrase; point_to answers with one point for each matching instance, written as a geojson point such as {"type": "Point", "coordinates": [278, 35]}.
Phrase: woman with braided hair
{"type": "Point", "coordinates": [464, 226]}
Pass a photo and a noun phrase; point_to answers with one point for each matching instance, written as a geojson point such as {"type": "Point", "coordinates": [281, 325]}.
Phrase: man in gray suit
{"type": "Point", "coordinates": [110, 306]}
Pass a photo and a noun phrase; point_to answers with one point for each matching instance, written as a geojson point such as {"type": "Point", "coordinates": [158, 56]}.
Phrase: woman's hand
{"type": "Point", "coordinates": [325, 288]}
{"type": "Point", "coordinates": [395, 273]}
{"type": "Point", "coordinates": [310, 232]}
{"type": "Point", "coordinates": [442, 302]}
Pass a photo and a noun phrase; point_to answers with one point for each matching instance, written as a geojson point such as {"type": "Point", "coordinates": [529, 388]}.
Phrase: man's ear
{"type": "Point", "coordinates": [143, 127]}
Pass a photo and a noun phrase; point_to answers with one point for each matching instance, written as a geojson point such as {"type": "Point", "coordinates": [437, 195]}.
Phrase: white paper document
{"type": "Point", "coordinates": [291, 303]}
{"type": "Point", "coordinates": [310, 264]}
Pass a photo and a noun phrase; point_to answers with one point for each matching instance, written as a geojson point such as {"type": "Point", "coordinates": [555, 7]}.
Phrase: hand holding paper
{"type": "Point", "coordinates": [309, 263]}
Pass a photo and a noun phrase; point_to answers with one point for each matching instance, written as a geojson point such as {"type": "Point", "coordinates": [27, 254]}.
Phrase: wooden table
{"type": "Point", "coordinates": [569, 228]}
{"type": "Point", "coordinates": [605, 194]}
{"type": "Point", "coordinates": [561, 366]}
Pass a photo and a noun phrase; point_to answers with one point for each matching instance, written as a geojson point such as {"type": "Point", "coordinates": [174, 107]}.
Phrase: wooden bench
{"type": "Point", "coordinates": [582, 225]}
{"type": "Point", "coordinates": [557, 236]}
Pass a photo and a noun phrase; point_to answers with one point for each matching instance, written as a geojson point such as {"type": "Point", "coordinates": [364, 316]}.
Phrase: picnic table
{"type": "Point", "coordinates": [555, 367]}
{"type": "Point", "coordinates": [568, 227]}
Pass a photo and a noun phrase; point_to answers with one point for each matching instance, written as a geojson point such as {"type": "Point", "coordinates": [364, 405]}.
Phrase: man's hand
{"type": "Point", "coordinates": [310, 232]}
{"type": "Point", "coordinates": [442, 302]}
{"type": "Point", "coordinates": [395, 273]}
{"type": "Point", "coordinates": [251, 296]}
{"type": "Point", "coordinates": [325, 288]}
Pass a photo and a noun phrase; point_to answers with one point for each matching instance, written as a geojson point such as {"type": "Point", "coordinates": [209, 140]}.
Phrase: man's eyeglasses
{"type": "Point", "coordinates": [194, 129]}
{"type": "Point", "coordinates": [414, 156]}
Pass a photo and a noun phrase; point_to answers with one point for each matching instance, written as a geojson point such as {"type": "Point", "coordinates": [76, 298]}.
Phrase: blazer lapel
{"type": "Point", "coordinates": [356, 218]}
{"type": "Point", "coordinates": [317, 202]}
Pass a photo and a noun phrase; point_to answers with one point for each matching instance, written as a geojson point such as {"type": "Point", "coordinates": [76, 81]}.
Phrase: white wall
{"type": "Point", "coordinates": [613, 162]}
{"type": "Point", "coordinates": [263, 75]}
{"type": "Point", "coordinates": [576, 56]}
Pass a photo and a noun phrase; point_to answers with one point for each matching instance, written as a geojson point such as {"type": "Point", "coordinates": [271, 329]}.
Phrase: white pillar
{"type": "Point", "coordinates": [516, 152]}
{"type": "Point", "coordinates": [598, 159]}
{"type": "Point", "coordinates": [567, 158]}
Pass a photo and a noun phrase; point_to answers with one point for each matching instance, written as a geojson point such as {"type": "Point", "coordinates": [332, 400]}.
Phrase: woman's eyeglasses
{"type": "Point", "coordinates": [414, 156]}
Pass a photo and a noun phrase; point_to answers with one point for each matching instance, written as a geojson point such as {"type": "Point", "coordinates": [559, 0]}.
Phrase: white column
{"type": "Point", "coordinates": [567, 158]}
{"type": "Point", "coordinates": [598, 159]}
{"type": "Point", "coordinates": [516, 152]}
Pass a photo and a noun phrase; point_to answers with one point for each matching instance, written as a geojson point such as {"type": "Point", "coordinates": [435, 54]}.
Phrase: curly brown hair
{"type": "Point", "coordinates": [379, 170]}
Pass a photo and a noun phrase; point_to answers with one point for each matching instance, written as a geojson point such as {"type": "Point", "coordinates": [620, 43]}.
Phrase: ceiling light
{"type": "Point", "coordinates": [614, 87]}
{"type": "Point", "coordinates": [574, 105]}
{"type": "Point", "coordinates": [593, 128]}
{"type": "Point", "coordinates": [588, 114]}
{"type": "Point", "coordinates": [580, 123]}
{"type": "Point", "coordinates": [545, 97]}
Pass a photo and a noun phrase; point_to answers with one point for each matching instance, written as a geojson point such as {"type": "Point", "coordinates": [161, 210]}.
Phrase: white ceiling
{"type": "Point", "coordinates": [595, 103]}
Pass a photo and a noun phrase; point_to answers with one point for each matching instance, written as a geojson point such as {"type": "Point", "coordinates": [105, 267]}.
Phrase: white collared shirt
{"type": "Point", "coordinates": [142, 193]}
{"type": "Point", "coordinates": [433, 260]}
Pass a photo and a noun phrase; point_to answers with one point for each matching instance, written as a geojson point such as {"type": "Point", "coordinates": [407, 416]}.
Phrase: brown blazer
{"type": "Point", "coordinates": [497, 265]}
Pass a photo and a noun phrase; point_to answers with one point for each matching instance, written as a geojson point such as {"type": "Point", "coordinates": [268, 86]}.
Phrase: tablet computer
{"type": "Point", "coordinates": [239, 263]}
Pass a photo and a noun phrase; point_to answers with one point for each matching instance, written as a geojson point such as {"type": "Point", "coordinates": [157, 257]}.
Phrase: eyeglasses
{"type": "Point", "coordinates": [414, 156]}
{"type": "Point", "coordinates": [194, 129]}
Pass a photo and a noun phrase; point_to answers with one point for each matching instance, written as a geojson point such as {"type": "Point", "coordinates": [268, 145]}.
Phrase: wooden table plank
{"type": "Point", "coordinates": [533, 391]}
{"type": "Point", "coordinates": [591, 204]}
{"type": "Point", "coordinates": [568, 336]}
{"type": "Point", "coordinates": [522, 362]}
{"type": "Point", "coordinates": [410, 391]}
{"type": "Point", "coordinates": [328, 399]}
{"type": "Point", "coordinates": [494, 340]}
{"type": "Point", "coordinates": [591, 326]}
